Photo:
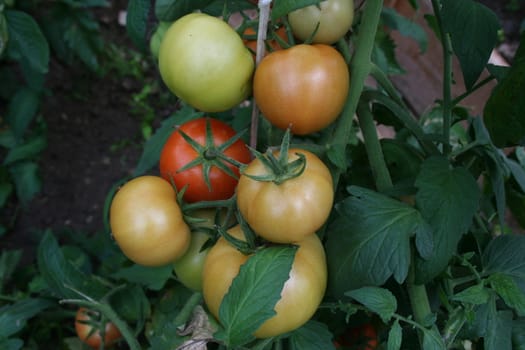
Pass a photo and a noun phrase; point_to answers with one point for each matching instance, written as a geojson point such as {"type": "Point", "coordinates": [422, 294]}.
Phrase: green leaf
{"type": "Point", "coordinates": [13, 317]}
{"type": "Point", "coordinates": [153, 147]}
{"type": "Point", "coordinates": [500, 72]}
{"type": "Point", "coordinates": [395, 336]}
{"type": "Point", "coordinates": [473, 31]}
{"type": "Point", "coordinates": [6, 188]}
{"type": "Point", "coordinates": [383, 54]}
{"type": "Point", "coordinates": [29, 150]}
{"type": "Point", "coordinates": [504, 254]}
{"type": "Point", "coordinates": [11, 344]}
{"type": "Point", "coordinates": [378, 300]}
{"type": "Point", "coordinates": [504, 108]}
{"type": "Point", "coordinates": [509, 291]}
{"type": "Point", "coordinates": [518, 334]}
{"type": "Point", "coordinates": [22, 110]}
{"type": "Point", "coordinates": [370, 240]}
{"type": "Point", "coordinates": [9, 260]}
{"type": "Point", "coordinates": [499, 330]}
{"type": "Point", "coordinates": [284, 7]}
{"type": "Point", "coordinates": [476, 295]}
{"type": "Point", "coordinates": [251, 299]}
{"type": "Point", "coordinates": [405, 26]}
{"type": "Point", "coordinates": [448, 199]}
{"type": "Point", "coordinates": [312, 336]}
{"type": "Point", "coordinates": [432, 340]}
{"type": "Point", "coordinates": [137, 21]}
{"type": "Point", "coordinates": [131, 304]}
{"type": "Point", "coordinates": [27, 40]}
{"type": "Point", "coordinates": [63, 278]}
{"type": "Point", "coordinates": [85, 42]}
{"type": "Point", "coordinates": [153, 278]}
{"type": "Point", "coordinates": [26, 179]}
{"type": "Point", "coordinates": [4, 34]}
{"type": "Point", "coordinates": [170, 10]}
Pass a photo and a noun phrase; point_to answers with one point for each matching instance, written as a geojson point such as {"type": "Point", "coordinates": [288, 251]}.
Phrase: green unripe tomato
{"type": "Point", "coordinates": [189, 267]}
{"type": "Point", "coordinates": [156, 38]}
{"type": "Point", "coordinates": [204, 62]}
{"type": "Point", "coordinates": [334, 17]}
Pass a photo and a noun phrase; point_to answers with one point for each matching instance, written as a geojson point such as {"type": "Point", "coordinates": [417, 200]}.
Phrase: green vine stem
{"type": "Point", "coordinates": [360, 67]}
{"type": "Point", "coordinates": [264, 17]}
{"type": "Point", "coordinates": [447, 77]}
{"type": "Point", "coordinates": [373, 148]}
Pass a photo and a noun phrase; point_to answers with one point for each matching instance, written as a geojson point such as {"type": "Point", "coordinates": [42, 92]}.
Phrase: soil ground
{"type": "Point", "coordinates": [86, 117]}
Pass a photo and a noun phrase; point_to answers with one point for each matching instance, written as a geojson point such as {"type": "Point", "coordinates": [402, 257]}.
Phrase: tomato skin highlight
{"type": "Point", "coordinates": [301, 294]}
{"type": "Point", "coordinates": [203, 61]}
{"type": "Point", "coordinates": [334, 17]}
{"type": "Point", "coordinates": [288, 212]}
{"type": "Point", "coordinates": [92, 337]}
{"type": "Point", "coordinates": [177, 152]}
{"type": "Point", "coordinates": [303, 87]}
{"type": "Point", "coordinates": [147, 222]}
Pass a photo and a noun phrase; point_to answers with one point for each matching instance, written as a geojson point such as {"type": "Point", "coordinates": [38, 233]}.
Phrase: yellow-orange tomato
{"type": "Point", "coordinates": [147, 222]}
{"type": "Point", "coordinates": [303, 87]}
{"type": "Point", "coordinates": [301, 295]}
{"type": "Point", "coordinates": [292, 210]}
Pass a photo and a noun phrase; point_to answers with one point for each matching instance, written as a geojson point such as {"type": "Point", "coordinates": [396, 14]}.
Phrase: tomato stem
{"type": "Point", "coordinates": [264, 17]}
{"type": "Point", "coordinates": [447, 76]}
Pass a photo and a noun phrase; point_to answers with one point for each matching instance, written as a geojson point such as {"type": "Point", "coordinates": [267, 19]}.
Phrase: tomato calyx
{"type": "Point", "coordinates": [246, 246]}
{"type": "Point", "coordinates": [211, 155]}
{"type": "Point", "coordinates": [279, 169]}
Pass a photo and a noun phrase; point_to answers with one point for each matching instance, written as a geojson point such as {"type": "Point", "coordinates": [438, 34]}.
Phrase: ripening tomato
{"type": "Point", "coordinates": [207, 176]}
{"type": "Point", "coordinates": [301, 295]}
{"type": "Point", "coordinates": [334, 18]}
{"type": "Point", "coordinates": [204, 62]}
{"type": "Point", "coordinates": [303, 87]}
{"type": "Point", "coordinates": [292, 210]}
{"type": "Point", "coordinates": [147, 222]}
{"type": "Point", "coordinates": [88, 327]}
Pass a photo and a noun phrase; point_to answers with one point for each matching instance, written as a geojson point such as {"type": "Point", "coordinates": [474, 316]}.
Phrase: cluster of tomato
{"type": "Point", "coordinates": [284, 196]}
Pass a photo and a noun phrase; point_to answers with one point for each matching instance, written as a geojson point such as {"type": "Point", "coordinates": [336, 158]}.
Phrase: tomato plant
{"type": "Point", "coordinates": [93, 331]}
{"type": "Point", "coordinates": [340, 225]}
{"type": "Point", "coordinates": [203, 61]}
{"type": "Point", "coordinates": [301, 294]}
{"type": "Point", "coordinates": [204, 154]}
{"type": "Point", "coordinates": [303, 87]}
{"type": "Point", "coordinates": [287, 204]}
{"type": "Point", "coordinates": [330, 21]}
{"type": "Point", "coordinates": [147, 222]}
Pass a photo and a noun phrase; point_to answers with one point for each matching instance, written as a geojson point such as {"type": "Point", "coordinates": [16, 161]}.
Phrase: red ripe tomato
{"type": "Point", "coordinates": [304, 87]}
{"type": "Point", "coordinates": [200, 164]}
{"type": "Point", "coordinates": [363, 337]}
{"type": "Point", "coordinates": [87, 331]}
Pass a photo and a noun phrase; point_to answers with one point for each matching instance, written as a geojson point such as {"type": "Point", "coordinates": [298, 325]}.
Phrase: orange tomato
{"type": "Point", "coordinates": [303, 87]}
